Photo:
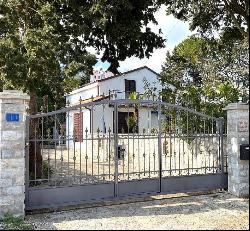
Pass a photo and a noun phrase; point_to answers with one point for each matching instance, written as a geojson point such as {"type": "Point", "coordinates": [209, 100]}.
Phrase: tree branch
{"type": "Point", "coordinates": [232, 14]}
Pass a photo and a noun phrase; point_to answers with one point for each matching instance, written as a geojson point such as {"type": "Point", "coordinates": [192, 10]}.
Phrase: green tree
{"type": "Point", "coordinates": [43, 44]}
{"type": "Point", "coordinates": [209, 15]}
{"type": "Point", "coordinates": [207, 74]}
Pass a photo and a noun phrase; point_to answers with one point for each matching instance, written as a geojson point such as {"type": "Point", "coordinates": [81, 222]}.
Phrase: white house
{"type": "Point", "coordinates": [109, 86]}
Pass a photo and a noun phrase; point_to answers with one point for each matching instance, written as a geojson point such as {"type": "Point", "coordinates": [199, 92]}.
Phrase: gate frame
{"type": "Point", "coordinates": [221, 177]}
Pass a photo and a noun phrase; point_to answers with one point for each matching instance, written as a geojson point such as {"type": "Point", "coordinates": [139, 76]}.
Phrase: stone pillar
{"type": "Point", "coordinates": [237, 134]}
{"type": "Point", "coordinates": [13, 106]}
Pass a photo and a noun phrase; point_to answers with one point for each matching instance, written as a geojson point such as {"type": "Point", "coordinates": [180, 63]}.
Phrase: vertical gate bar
{"type": "Point", "coordinates": [154, 154]}
{"type": "Point", "coordinates": [133, 151]}
{"type": "Point", "coordinates": [68, 115]}
{"type": "Point", "coordinates": [183, 149]}
{"type": "Point", "coordinates": [81, 136]}
{"type": "Point", "coordinates": [60, 142]}
{"type": "Point", "coordinates": [54, 137]}
{"type": "Point", "coordinates": [74, 154]}
{"type": "Point", "coordinates": [98, 152]}
{"type": "Point", "coordinates": [213, 143]}
{"type": "Point", "coordinates": [128, 139]}
{"type": "Point", "coordinates": [175, 142]}
{"type": "Point", "coordinates": [149, 134]}
{"type": "Point", "coordinates": [92, 135]}
{"type": "Point", "coordinates": [196, 144]}
{"type": "Point", "coordinates": [116, 192]}
{"type": "Point", "coordinates": [42, 148]}
{"type": "Point", "coordinates": [219, 146]}
{"type": "Point", "coordinates": [209, 151]}
{"type": "Point", "coordinates": [179, 143]}
{"type": "Point", "coordinates": [165, 151]}
{"type": "Point", "coordinates": [27, 177]}
{"type": "Point", "coordinates": [109, 152]}
{"type": "Point", "coordinates": [144, 154]}
{"type": "Point", "coordinates": [35, 149]}
{"type": "Point", "coordinates": [48, 134]}
{"type": "Point", "coordinates": [138, 148]}
{"type": "Point", "coordinates": [123, 159]}
{"type": "Point", "coordinates": [188, 142]}
{"type": "Point", "coordinates": [160, 146]}
{"type": "Point", "coordinates": [86, 154]}
{"type": "Point", "coordinates": [192, 155]}
{"type": "Point", "coordinates": [171, 148]}
{"type": "Point", "coordinates": [104, 145]}
{"type": "Point", "coordinates": [204, 140]}
{"type": "Point", "coordinates": [221, 143]}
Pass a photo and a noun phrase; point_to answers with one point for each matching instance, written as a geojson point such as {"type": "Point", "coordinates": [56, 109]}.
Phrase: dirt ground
{"type": "Point", "coordinates": [218, 211]}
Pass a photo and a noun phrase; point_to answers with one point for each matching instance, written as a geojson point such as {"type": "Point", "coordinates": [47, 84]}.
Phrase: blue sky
{"type": "Point", "coordinates": [174, 31]}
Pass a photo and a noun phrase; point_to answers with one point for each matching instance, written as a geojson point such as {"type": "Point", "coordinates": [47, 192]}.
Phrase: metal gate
{"type": "Point", "coordinates": [119, 148]}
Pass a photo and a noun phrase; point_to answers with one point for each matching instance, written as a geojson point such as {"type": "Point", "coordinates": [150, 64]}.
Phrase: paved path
{"type": "Point", "coordinates": [214, 211]}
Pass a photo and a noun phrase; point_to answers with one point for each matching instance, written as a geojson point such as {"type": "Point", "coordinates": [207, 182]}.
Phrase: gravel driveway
{"type": "Point", "coordinates": [213, 211]}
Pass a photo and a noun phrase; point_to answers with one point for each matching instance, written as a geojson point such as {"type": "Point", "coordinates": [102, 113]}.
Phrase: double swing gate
{"type": "Point", "coordinates": [120, 148]}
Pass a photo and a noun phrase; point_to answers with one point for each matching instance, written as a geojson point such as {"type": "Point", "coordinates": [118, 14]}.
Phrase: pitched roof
{"type": "Point", "coordinates": [127, 72]}
{"type": "Point", "coordinates": [115, 76]}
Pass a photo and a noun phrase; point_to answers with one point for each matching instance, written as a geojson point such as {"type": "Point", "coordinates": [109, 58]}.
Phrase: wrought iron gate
{"type": "Point", "coordinates": [85, 153]}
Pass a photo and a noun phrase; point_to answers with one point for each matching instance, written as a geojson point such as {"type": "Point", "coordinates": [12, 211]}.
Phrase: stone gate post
{"type": "Point", "coordinates": [13, 106]}
{"type": "Point", "coordinates": [237, 134]}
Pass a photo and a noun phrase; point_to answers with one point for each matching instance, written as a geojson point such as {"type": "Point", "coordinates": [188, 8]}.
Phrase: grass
{"type": "Point", "coordinates": [10, 222]}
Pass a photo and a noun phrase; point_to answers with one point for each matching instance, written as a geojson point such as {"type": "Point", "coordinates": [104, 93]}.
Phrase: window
{"type": "Point", "coordinates": [78, 127]}
{"type": "Point", "coordinates": [130, 86]}
{"type": "Point", "coordinates": [123, 123]}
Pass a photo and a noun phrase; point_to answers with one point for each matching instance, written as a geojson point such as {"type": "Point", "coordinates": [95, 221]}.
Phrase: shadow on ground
{"type": "Point", "coordinates": [176, 206]}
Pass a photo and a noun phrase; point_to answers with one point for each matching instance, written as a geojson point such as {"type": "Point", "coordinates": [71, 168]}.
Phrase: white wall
{"type": "Point", "coordinates": [146, 119]}
{"type": "Point", "coordinates": [116, 83]}
{"type": "Point", "coordinates": [85, 93]}
{"type": "Point", "coordinates": [138, 76]}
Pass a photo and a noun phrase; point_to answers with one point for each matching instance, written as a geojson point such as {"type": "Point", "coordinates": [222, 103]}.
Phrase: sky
{"type": "Point", "coordinates": [174, 31]}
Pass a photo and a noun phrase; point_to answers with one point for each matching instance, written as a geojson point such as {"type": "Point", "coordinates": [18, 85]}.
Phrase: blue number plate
{"type": "Point", "coordinates": [11, 117]}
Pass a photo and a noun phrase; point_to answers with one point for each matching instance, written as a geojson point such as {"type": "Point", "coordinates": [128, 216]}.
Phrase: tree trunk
{"type": "Point", "coordinates": [35, 157]}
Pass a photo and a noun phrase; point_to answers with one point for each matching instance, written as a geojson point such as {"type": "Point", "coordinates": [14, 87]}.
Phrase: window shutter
{"type": "Point", "coordinates": [132, 86]}
{"type": "Point", "coordinates": [78, 126]}
{"type": "Point", "coordinates": [127, 85]}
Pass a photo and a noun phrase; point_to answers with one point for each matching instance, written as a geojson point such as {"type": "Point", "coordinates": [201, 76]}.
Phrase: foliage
{"type": "Point", "coordinates": [209, 15]}
{"type": "Point", "coordinates": [44, 43]}
{"type": "Point", "coordinates": [38, 54]}
{"type": "Point", "coordinates": [133, 96]}
{"type": "Point", "coordinates": [14, 223]}
{"type": "Point", "coordinates": [44, 46]}
{"type": "Point", "coordinates": [131, 122]}
{"type": "Point", "coordinates": [150, 90]}
{"type": "Point", "coordinates": [47, 170]}
{"type": "Point", "coordinates": [208, 74]}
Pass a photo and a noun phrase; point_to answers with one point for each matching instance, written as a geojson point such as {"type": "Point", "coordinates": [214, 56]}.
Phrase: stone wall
{"type": "Point", "coordinates": [238, 133]}
{"type": "Point", "coordinates": [13, 106]}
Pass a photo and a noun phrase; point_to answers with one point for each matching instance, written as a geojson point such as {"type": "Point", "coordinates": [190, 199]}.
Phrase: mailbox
{"type": "Point", "coordinates": [120, 152]}
{"type": "Point", "coordinates": [244, 151]}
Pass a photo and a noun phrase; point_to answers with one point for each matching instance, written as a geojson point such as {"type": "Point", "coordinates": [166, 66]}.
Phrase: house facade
{"type": "Point", "coordinates": [143, 82]}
